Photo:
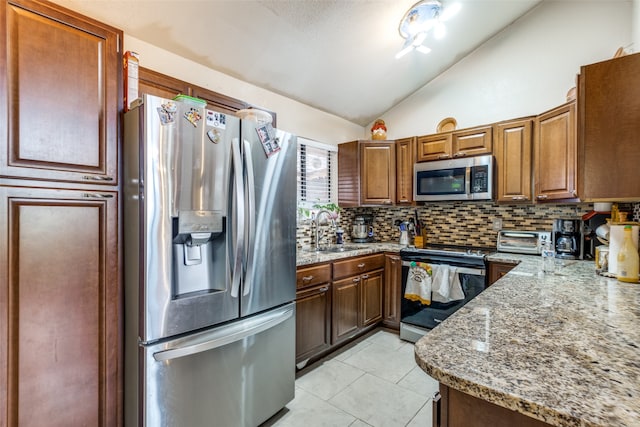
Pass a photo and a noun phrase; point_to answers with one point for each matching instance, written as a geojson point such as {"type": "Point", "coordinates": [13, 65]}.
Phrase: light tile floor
{"type": "Point", "coordinates": [372, 382]}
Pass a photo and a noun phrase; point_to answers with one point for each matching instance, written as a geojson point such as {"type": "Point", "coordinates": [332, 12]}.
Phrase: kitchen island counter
{"type": "Point", "coordinates": [563, 348]}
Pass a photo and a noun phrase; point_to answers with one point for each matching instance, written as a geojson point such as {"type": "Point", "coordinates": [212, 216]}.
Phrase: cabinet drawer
{"type": "Point", "coordinates": [313, 275]}
{"type": "Point", "coordinates": [359, 265]}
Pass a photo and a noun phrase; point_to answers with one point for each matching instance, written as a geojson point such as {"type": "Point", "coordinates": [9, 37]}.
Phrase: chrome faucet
{"type": "Point", "coordinates": [316, 221]}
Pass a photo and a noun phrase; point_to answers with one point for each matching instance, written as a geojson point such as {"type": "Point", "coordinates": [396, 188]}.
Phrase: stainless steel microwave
{"type": "Point", "coordinates": [469, 178]}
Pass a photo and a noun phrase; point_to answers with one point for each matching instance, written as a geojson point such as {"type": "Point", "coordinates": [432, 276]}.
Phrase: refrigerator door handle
{"type": "Point", "coordinates": [251, 215]}
{"type": "Point", "coordinates": [236, 272]}
{"type": "Point", "coordinates": [222, 339]}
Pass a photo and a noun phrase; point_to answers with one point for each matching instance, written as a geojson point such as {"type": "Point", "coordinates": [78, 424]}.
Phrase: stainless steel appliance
{"type": "Point", "coordinates": [591, 223]}
{"type": "Point", "coordinates": [469, 178]}
{"type": "Point", "coordinates": [362, 229]}
{"type": "Point", "coordinates": [209, 243]}
{"type": "Point", "coordinates": [522, 242]}
{"type": "Point", "coordinates": [416, 318]}
{"type": "Point", "coordinates": [567, 238]}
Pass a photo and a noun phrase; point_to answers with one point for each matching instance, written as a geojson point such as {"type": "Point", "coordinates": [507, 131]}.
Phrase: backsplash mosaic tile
{"type": "Point", "coordinates": [460, 223]}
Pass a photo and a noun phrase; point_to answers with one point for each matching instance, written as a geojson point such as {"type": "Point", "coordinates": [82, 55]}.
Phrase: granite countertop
{"type": "Point", "coordinates": [306, 257]}
{"type": "Point", "coordinates": [563, 348]}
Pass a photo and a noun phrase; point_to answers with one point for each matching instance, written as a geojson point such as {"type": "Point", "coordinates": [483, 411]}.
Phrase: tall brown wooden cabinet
{"type": "Point", "coordinates": [609, 129]}
{"type": "Point", "coordinates": [60, 287]}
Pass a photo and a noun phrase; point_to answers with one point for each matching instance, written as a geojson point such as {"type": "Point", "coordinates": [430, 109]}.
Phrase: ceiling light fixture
{"type": "Point", "coordinates": [422, 17]}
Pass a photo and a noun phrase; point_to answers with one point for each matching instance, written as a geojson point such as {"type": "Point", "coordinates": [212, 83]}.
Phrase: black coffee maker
{"type": "Point", "coordinates": [567, 238]}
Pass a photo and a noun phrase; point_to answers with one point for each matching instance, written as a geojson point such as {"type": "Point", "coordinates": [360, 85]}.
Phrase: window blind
{"type": "Point", "coordinates": [317, 173]}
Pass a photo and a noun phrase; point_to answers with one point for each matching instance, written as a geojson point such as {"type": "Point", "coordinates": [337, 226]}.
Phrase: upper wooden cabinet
{"type": "Point", "coordinates": [158, 84]}
{"type": "Point", "coordinates": [434, 147]}
{"type": "Point", "coordinates": [555, 148]}
{"type": "Point", "coordinates": [512, 150]}
{"type": "Point", "coordinates": [61, 94]}
{"type": "Point", "coordinates": [460, 143]}
{"type": "Point", "coordinates": [366, 173]}
{"type": "Point", "coordinates": [405, 158]}
{"type": "Point", "coordinates": [609, 129]}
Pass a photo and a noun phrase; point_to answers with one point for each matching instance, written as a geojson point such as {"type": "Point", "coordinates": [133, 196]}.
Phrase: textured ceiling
{"type": "Point", "coordinates": [337, 56]}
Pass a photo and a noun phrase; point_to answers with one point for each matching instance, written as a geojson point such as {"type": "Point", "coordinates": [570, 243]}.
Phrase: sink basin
{"type": "Point", "coordinates": [333, 248]}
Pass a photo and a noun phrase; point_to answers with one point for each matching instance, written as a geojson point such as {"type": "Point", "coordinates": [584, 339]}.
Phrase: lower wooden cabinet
{"type": "Point", "coordinates": [346, 306]}
{"type": "Point", "coordinates": [357, 304]}
{"type": "Point", "coordinates": [340, 300]}
{"type": "Point", "coordinates": [497, 270]}
{"type": "Point", "coordinates": [60, 307]}
{"type": "Point", "coordinates": [313, 321]}
{"type": "Point", "coordinates": [392, 291]}
{"type": "Point", "coordinates": [452, 408]}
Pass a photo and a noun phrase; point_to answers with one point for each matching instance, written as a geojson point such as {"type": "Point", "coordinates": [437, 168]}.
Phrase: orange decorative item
{"type": "Point", "coordinates": [379, 130]}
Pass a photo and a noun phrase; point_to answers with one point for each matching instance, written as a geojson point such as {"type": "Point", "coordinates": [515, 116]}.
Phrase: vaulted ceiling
{"type": "Point", "coordinates": [334, 55]}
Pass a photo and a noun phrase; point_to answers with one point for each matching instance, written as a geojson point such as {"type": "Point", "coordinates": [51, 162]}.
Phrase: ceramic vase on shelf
{"type": "Point", "coordinates": [379, 130]}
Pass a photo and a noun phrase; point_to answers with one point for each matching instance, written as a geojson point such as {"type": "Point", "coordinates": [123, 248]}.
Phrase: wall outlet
{"type": "Point", "coordinates": [496, 224]}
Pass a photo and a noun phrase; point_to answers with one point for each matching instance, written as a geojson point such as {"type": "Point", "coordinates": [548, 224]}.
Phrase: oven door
{"type": "Point", "coordinates": [416, 319]}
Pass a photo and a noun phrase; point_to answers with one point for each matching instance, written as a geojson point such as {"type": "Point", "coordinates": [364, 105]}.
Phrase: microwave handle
{"type": "Point", "coordinates": [467, 181]}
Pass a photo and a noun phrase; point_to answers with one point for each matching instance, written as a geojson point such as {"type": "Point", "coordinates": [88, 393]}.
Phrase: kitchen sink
{"type": "Point", "coordinates": [333, 248]}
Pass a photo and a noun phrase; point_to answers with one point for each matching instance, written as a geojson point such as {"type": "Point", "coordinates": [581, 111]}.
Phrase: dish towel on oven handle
{"type": "Point", "coordinates": [419, 283]}
{"type": "Point", "coordinates": [446, 284]}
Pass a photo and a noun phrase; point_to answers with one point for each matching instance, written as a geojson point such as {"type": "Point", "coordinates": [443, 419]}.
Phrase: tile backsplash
{"type": "Point", "coordinates": [460, 223]}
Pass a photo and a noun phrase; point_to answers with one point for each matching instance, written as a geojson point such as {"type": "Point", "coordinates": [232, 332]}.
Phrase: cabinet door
{"type": "Point", "coordinates": [348, 174]}
{"type": "Point", "coordinates": [497, 270]}
{"type": "Point", "coordinates": [472, 142]}
{"type": "Point", "coordinates": [345, 308]}
{"type": "Point", "coordinates": [555, 154]}
{"type": "Point", "coordinates": [434, 147]}
{"type": "Point", "coordinates": [513, 160]}
{"type": "Point", "coordinates": [392, 291]}
{"type": "Point", "coordinates": [313, 321]}
{"type": "Point", "coordinates": [609, 126]}
{"type": "Point", "coordinates": [59, 298]}
{"type": "Point", "coordinates": [371, 287]}
{"type": "Point", "coordinates": [61, 95]}
{"type": "Point", "coordinates": [405, 154]}
{"type": "Point", "coordinates": [378, 169]}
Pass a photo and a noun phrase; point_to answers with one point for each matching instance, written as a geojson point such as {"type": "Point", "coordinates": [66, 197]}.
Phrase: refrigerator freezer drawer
{"type": "Point", "coordinates": [235, 375]}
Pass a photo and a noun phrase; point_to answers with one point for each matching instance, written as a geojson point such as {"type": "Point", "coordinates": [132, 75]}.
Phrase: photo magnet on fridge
{"type": "Point", "coordinates": [267, 137]}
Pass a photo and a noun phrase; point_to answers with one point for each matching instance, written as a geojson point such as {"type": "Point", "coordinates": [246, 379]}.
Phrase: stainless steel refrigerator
{"type": "Point", "coordinates": [209, 247]}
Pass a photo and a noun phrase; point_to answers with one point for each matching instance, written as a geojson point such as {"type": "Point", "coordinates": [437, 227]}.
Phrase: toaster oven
{"type": "Point", "coordinates": [522, 242]}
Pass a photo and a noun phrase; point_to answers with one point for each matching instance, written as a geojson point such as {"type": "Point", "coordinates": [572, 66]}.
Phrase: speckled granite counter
{"type": "Point", "coordinates": [305, 257]}
{"type": "Point", "coordinates": [563, 348]}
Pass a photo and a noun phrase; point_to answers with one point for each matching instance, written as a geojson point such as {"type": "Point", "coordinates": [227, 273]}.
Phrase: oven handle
{"type": "Point", "coordinates": [463, 270]}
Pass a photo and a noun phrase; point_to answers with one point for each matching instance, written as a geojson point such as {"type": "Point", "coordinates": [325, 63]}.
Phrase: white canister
{"type": "Point", "coordinates": [616, 237]}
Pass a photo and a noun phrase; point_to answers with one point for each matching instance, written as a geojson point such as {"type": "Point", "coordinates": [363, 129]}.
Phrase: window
{"type": "Point", "coordinates": [317, 175]}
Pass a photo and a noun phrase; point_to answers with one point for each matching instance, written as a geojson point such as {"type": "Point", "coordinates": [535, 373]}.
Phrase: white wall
{"type": "Point", "coordinates": [525, 70]}
{"type": "Point", "coordinates": [293, 116]}
{"type": "Point", "coordinates": [636, 26]}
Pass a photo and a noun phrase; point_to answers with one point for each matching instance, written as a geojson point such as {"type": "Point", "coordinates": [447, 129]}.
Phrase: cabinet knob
{"type": "Point", "coordinates": [361, 265]}
{"type": "Point", "coordinates": [518, 198]}
{"type": "Point", "coordinates": [460, 154]}
{"type": "Point", "coordinates": [324, 289]}
{"type": "Point", "coordinates": [443, 156]}
{"type": "Point", "coordinates": [365, 276]}
{"type": "Point", "coordinates": [356, 280]}
{"type": "Point", "coordinates": [542, 197]}
{"type": "Point", "coordinates": [307, 279]}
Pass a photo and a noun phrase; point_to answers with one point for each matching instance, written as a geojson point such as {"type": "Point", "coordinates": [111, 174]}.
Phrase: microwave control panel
{"type": "Point", "coordinates": [480, 179]}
